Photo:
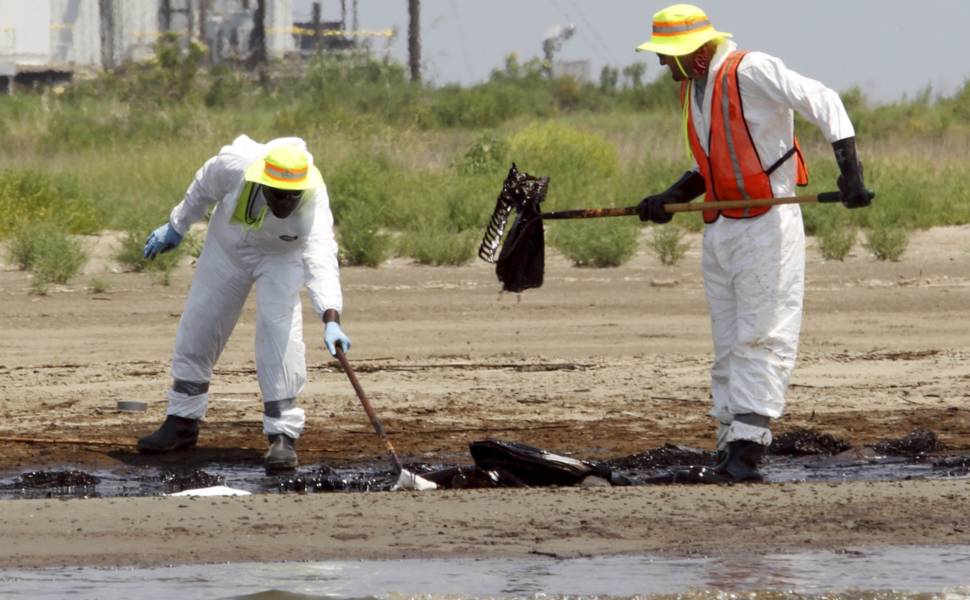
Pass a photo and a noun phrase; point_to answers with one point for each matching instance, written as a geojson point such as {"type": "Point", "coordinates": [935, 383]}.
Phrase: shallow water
{"type": "Point", "coordinates": [868, 573]}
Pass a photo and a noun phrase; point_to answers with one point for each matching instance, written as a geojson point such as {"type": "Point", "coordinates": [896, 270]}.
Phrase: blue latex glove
{"type": "Point", "coordinates": [332, 335]}
{"type": "Point", "coordinates": [161, 240]}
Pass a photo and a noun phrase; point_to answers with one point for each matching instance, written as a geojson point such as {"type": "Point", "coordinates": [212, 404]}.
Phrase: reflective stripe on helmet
{"type": "Point", "coordinates": [283, 174]}
{"type": "Point", "coordinates": [679, 27]}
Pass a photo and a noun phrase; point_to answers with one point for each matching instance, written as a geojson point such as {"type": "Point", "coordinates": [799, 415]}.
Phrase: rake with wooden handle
{"type": "Point", "coordinates": [519, 260]}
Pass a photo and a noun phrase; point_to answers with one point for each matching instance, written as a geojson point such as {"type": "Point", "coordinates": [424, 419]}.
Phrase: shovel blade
{"type": "Point", "coordinates": [411, 481]}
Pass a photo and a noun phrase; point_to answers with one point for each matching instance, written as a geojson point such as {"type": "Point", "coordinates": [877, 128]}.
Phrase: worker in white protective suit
{"type": "Point", "coordinates": [737, 116]}
{"type": "Point", "coordinates": [271, 227]}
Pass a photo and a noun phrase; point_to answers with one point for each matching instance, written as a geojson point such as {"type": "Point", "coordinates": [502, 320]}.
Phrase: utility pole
{"type": "Point", "coordinates": [203, 15]}
{"type": "Point", "coordinates": [257, 39]}
{"type": "Point", "coordinates": [106, 12]}
{"type": "Point", "coordinates": [166, 14]}
{"type": "Point", "coordinates": [414, 39]}
{"type": "Point", "coordinates": [317, 42]}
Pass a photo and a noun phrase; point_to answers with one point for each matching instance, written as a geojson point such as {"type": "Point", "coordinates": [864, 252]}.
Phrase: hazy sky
{"type": "Point", "coordinates": [886, 47]}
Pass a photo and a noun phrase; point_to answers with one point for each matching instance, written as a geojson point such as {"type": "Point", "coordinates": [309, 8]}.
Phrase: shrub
{"type": "Point", "coordinates": [59, 257]}
{"type": "Point", "coordinates": [30, 196]}
{"type": "Point", "coordinates": [569, 157]}
{"type": "Point", "coordinates": [361, 240]}
{"type": "Point", "coordinates": [836, 240]}
{"type": "Point", "coordinates": [887, 242]}
{"type": "Point", "coordinates": [98, 285]}
{"type": "Point", "coordinates": [47, 251]}
{"type": "Point", "coordinates": [467, 207]}
{"type": "Point", "coordinates": [433, 247]}
{"type": "Point", "coordinates": [361, 184]}
{"type": "Point", "coordinates": [667, 243]}
{"type": "Point", "coordinates": [22, 250]}
{"type": "Point", "coordinates": [602, 242]}
{"type": "Point", "coordinates": [130, 254]}
{"type": "Point", "coordinates": [487, 155]}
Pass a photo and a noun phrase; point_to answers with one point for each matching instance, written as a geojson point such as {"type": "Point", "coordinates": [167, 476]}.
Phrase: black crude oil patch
{"type": "Point", "coordinates": [191, 479]}
{"type": "Point", "coordinates": [327, 479]}
{"type": "Point", "coordinates": [918, 443]}
{"type": "Point", "coordinates": [798, 455]}
{"type": "Point", "coordinates": [50, 484]}
{"type": "Point", "coordinates": [805, 442]}
{"type": "Point", "coordinates": [953, 466]}
{"type": "Point", "coordinates": [56, 479]}
{"type": "Point", "coordinates": [668, 455]}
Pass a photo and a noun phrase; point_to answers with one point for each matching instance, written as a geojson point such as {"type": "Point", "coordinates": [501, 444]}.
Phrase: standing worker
{"type": "Point", "coordinates": [271, 227]}
{"type": "Point", "coordinates": [738, 122]}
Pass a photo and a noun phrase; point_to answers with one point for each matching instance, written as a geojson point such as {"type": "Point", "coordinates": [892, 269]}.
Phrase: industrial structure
{"type": "Point", "coordinates": [49, 41]}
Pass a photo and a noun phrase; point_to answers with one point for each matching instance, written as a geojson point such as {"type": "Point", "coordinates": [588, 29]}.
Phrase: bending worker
{"type": "Point", "coordinates": [738, 121]}
{"type": "Point", "coordinates": [271, 227]}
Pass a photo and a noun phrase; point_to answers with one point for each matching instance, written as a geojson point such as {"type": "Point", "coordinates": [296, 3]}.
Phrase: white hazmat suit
{"type": "Point", "coordinates": [278, 257]}
{"type": "Point", "coordinates": [754, 268]}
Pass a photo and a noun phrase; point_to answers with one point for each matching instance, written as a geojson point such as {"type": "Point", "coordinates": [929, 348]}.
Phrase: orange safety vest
{"type": "Point", "coordinates": [733, 169]}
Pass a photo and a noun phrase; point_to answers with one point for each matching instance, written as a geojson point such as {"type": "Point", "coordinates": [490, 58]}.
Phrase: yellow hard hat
{"type": "Point", "coordinates": [285, 168]}
{"type": "Point", "coordinates": [680, 29]}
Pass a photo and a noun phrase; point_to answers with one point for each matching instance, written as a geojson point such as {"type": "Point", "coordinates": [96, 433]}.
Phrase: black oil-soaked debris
{"type": "Point", "coordinates": [799, 455]}
{"type": "Point", "coordinates": [953, 466]}
{"type": "Point", "coordinates": [805, 442]}
{"type": "Point", "coordinates": [327, 479]}
{"type": "Point", "coordinates": [191, 479]}
{"type": "Point", "coordinates": [461, 477]}
{"type": "Point", "coordinates": [918, 443]}
{"type": "Point", "coordinates": [668, 455]}
{"type": "Point", "coordinates": [55, 479]}
{"type": "Point", "coordinates": [52, 484]}
{"type": "Point", "coordinates": [517, 465]}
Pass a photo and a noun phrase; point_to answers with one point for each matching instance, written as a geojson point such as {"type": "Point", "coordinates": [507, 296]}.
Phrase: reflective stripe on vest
{"type": "Point", "coordinates": [732, 169]}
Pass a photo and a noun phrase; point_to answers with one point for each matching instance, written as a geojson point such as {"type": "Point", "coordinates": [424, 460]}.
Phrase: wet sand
{"type": "Point", "coordinates": [599, 363]}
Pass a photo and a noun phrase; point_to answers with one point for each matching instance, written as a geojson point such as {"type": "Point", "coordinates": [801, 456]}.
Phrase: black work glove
{"type": "Point", "coordinates": [651, 208]}
{"type": "Point", "coordinates": [852, 188]}
{"type": "Point", "coordinates": [688, 187]}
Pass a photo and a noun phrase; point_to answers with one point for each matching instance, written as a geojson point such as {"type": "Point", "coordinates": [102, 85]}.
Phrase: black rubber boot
{"type": "Point", "coordinates": [738, 465]}
{"type": "Point", "coordinates": [174, 434]}
{"type": "Point", "coordinates": [281, 455]}
{"type": "Point", "coordinates": [743, 459]}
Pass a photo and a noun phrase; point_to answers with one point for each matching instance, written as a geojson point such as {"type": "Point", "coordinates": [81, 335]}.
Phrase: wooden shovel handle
{"type": "Point", "coordinates": [376, 422]}
{"type": "Point", "coordinates": [588, 213]}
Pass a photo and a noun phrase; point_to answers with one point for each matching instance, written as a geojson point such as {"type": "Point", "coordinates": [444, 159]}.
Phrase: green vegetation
{"type": "Point", "coordinates": [596, 242]}
{"type": "Point", "coordinates": [887, 242]}
{"type": "Point", "coordinates": [48, 252]}
{"type": "Point", "coordinates": [129, 253]}
{"type": "Point", "coordinates": [97, 285]}
{"type": "Point", "coordinates": [836, 241]}
{"type": "Point", "coordinates": [414, 170]}
{"type": "Point", "coordinates": [668, 244]}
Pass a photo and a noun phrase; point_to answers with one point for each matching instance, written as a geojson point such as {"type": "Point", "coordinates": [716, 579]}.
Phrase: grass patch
{"type": "Point", "coordinates": [32, 196]}
{"type": "Point", "coordinates": [97, 285]}
{"type": "Point", "coordinates": [606, 242]}
{"type": "Point", "coordinates": [48, 252]}
{"type": "Point", "coordinates": [668, 244]}
{"type": "Point", "coordinates": [887, 242]}
{"type": "Point", "coordinates": [361, 239]}
{"type": "Point", "coordinates": [130, 255]}
{"type": "Point", "coordinates": [432, 247]}
{"type": "Point", "coordinates": [836, 240]}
